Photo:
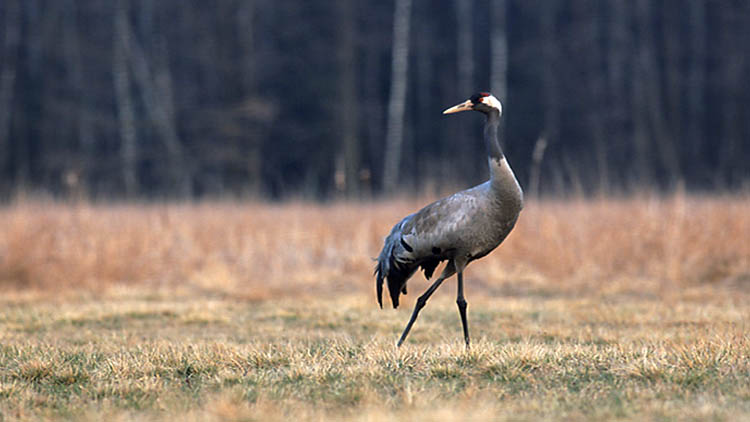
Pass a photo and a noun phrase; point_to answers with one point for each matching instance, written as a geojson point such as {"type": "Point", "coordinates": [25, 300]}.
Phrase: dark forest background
{"type": "Point", "coordinates": [325, 99]}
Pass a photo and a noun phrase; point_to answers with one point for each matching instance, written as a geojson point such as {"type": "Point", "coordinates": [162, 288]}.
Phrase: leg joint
{"type": "Point", "coordinates": [461, 302]}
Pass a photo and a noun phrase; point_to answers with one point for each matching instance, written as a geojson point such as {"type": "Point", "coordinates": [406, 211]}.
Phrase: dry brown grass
{"type": "Point", "coordinates": [592, 309]}
{"type": "Point", "coordinates": [644, 245]}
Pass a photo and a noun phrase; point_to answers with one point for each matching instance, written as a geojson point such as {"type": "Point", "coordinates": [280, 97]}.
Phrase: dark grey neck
{"type": "Point", "coordinates": [491, 141]}
{"type": "Point", "coordinates": [503, 183]}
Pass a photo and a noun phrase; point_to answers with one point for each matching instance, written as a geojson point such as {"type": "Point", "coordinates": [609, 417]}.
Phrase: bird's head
{"type": "Point", "coordinates": [483, 101]}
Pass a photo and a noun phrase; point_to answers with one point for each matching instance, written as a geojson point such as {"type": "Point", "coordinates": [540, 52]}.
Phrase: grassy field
{"type": "Point", "coordinates": [631, 309]}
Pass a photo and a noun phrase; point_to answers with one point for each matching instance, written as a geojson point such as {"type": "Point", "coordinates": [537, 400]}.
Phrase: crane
{"type": "Point", "coordinates": [459, 229]}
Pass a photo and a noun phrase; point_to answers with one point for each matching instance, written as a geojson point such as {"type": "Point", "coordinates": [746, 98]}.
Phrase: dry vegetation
{"type": "Point", "coordinates": [600, 309]}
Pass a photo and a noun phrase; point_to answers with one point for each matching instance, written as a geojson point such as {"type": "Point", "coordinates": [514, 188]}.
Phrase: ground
{"type": "Point", "coordinates": [633, 309]}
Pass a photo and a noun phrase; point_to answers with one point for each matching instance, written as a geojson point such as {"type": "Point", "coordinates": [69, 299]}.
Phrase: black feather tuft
{"type": "Point", "coordinates": [406, 245]}
{"type": "Point", "coordinates": [379, 283]}
{"type": "Point", "coordinates": [429, 267]}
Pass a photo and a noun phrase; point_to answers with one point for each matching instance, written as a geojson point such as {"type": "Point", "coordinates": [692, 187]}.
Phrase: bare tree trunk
{"type": "Point", "coordinates": [617, 68]}
{"type": "Point", "coordinates": [397, 99]}
{"type": "Point", "coordinates": [425, 169]}
{"type": "Point", "coordinates": [124, 99]}
{"type": "Point", "coordinates": [373, 109]}
{"type": "Point", "coordinates": [658, 135]}
{"type": "Point", "coordinates": [465, 47]}
{"type": "Point", "coordinates": [245, 34]}
{"type": "Point", "coordinates": [78, 177]}
{"type": "Point", "coordinates": [673, 70]}
{"type": "Point", "coordinates": [696, 94]}
{"type": "Point", "coordinates": [9, 54]}
{"type": "Point", "coordinates": [461, 154]}
{"type": "Point", "coordinates": [156, 90]}
{"type": "Point", "coordinates": [499, 49]}
{"type": "Point", "coordinates": [639, 103]}
{"type": "Point", "coordinates": [728, 171]}
{"type": "Point", "coordinates": [551, 130]}
{"type": "Point", "coordinates": [596, 111]}
{"type": "Point", "coordinates": [347, 97]}
{"type": "Point", "coordinates": [536, 166]}
{"type": "Point", "coordinates": [23, 151]}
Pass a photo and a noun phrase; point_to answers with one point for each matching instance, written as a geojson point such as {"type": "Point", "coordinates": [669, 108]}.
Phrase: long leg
{"type": "Point", "coordinates": [418, 307]}
{"type": "Point", "coordinates": [461, 302]}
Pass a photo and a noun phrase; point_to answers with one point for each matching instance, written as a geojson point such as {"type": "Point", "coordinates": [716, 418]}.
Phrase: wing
{"type": "Point", "coordinates": [423, 240]}
{"type": "Point", "coordinates": [437, 230]}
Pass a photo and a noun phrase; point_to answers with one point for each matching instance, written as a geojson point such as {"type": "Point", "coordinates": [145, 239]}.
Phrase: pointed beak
{"type": "Point", "coordinates": [466, 105]}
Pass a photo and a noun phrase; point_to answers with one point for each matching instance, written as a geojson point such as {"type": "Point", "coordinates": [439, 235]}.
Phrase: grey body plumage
{"type": "Point", "coordinates": [459, 229]}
